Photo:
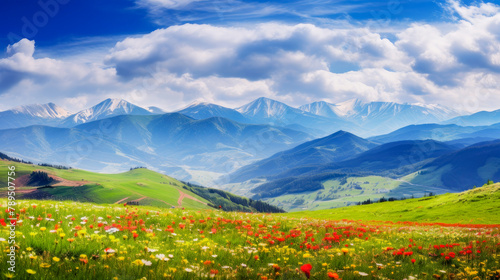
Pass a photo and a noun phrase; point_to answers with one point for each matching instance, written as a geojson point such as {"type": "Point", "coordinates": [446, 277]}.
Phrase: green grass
{"type": "Point", "coordinates": [110, 188]}
{"type": "Point", "coordinates": [476, 206]}
{"type": "Point", "coordinates": [212, 244]}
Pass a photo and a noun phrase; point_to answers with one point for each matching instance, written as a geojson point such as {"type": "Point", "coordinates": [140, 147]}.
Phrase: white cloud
{"type": "Point", "coordinates": [167, 4]}
{"type": "Point", "coordinates": [429, 63]}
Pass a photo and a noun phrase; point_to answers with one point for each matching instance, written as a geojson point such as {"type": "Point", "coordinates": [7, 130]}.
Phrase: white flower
{"type": "Point", "coordinates": [100, 218]}
{"type": "Point", "coordinates": [196, 239]}
{"type": "Point", "coordinates": [188, 270]}
{"type": "Point", "coordinates": [53, 231]}
{"type": "Point", "coordinates": [214, 256]}
{"type": "Point", "coordinates": [2, 239]}
{"type": "Point", "coordinates": [363, 273]}
{"type": "Point", "coordinates": [83, 218]}
{"type": "Point", "coordinates": [205, 248]}
{"type": "Point", "coordinates": [226, 267]}
{"type": "Point", "coordinates": [162, 257]}
{"type": "Point", "coordinates": [152, 250]}
{"type": "Point", "coordinates": [112, 230]}
{"type": "Point", "coordinates": [146, 263]}
{"type": "Point", "coordinates": [243, 265]}
{"type": "Point", "coordinates": [109, 251]}
{"type": "Point", "coordinates": [171, 256]}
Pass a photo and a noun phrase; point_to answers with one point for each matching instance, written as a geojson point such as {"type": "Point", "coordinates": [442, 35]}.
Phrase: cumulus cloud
{"type": "Point", "coordinates": [457, 64]}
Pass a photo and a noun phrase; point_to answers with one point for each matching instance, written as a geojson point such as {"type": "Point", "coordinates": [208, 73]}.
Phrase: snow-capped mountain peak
{"type": "Point", "coordinates": [46, 111]}
{"type": "Point", "coordinates": [264, 107]}
{"type": "Point", "coordinates": [348, 107]}
{"type": "Point", "coordinates": [107, 108]}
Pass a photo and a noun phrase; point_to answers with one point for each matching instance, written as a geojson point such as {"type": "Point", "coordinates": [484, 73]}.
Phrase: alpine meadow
{"type": "Point", "coordinates": [249, 139]}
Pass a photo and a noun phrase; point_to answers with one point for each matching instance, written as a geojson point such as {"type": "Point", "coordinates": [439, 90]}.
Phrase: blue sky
{"type": "Point", "coordinates": [171, 52]}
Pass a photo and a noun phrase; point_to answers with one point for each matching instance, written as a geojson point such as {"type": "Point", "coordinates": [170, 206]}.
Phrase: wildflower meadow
{"type": "Point", "coordinates": [70, 240]}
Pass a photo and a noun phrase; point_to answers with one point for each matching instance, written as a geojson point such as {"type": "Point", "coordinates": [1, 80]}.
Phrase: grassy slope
{"type": "Point", "coordinates": [336, 194]}
{"type": "Point", "coordinates": [478, 206]}
{"type": "Point", "coordinates": [161, 190]}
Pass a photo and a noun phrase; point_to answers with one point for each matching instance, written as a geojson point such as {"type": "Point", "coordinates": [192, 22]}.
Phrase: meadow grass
{"type": "Point", "coordinates": [73, 240]}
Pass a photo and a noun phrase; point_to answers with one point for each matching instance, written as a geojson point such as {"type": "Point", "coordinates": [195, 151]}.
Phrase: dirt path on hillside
{"type": "Point", "coordinates": [139, 199]}
{"type": "Point", "coordinates": [122, 200]}
{"type": "Point", "coordinates": [184, 195]}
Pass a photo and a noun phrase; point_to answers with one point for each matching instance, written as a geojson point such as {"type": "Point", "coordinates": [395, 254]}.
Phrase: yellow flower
{"type": "Point", "coordinates": [30, 271]}
{"type": "Point", "coordinates": [9, 275]}
{"type": "Point", "coordinates": [62, 235]}
{"type": "Point", "coordinates": [29, 249]}
{"type": "Point", "coordinates": [121, 258]}
{"type": "Point", "coordinates": [43, 228]}
{"type": "Point", "coordinates": [345, 250]}
{"type": "Point", "coordinates": [56, 259]}
{"type": "Point", "coordinates": [44, 265]}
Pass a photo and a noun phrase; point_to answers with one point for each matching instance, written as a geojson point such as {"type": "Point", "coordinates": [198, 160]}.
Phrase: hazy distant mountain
{"type": "Point", "coordinates": [344, 109]}
{"type": "Point", "coordinates": [477, 119]}
{"type": "Point", "coordinates": [107, 108]}
{"type": "Point", "coordinates": [439, 132]}
{"type": "Point", "coordinates": [34, 114]}
{"type": "Point", "coordinates": [73, 147]}
{"type": "Point", "coordinates": [463, 169]}
{"type": "Point", "coordinates": [213, 144]}
{"type": "Point", "coordinates": [268, 111]}
{"type": "Point", "coordinates": [204, 110]}
{"type": "Point", "coordinates": [333, 148]}
{"type": "Point", "coordinates": [380, 117]}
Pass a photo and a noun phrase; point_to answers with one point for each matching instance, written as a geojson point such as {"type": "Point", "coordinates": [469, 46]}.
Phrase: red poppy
{"type": "Point", "coordinates": [306, 269]}
{"type": "Point", "coordinates": [333, 275]}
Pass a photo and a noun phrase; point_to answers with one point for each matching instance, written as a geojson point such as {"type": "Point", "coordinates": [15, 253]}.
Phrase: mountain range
{"type": "Point", "coordinates": [268, 149]}
{"type": "Point", "coordinates": [318, 118]}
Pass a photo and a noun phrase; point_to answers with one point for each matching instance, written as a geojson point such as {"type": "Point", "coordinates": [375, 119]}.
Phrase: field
{"type": "Point", "coordinates": [476, 206]}
{"type": "Point", "coordinates": [72, 240]}
{"type": "Point", "coordinates": [350, 191]}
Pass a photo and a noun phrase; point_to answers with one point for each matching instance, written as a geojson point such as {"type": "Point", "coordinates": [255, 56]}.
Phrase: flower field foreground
{"type": "Point", "coordinates": [70, 240]}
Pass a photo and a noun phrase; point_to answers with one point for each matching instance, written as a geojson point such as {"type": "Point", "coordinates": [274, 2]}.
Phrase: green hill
{"type": "Point", "coordinates": [476, 206]}
{"type": "Point", "coordinates": [137, 186]}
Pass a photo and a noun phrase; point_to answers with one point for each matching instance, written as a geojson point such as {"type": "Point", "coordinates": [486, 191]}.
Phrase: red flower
{"type": "Point", "coordinates": [256, 257]}
{"type": "Point", "coordinates": [413, 260]}
{"type": "Point", "coordinates": [333, 275]}
{"type": "Point", "coordinates": [2, 222]}
{"type": "Point", "coordinates": [306, 269]}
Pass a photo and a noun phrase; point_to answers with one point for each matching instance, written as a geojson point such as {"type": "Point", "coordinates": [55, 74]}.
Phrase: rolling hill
{"type": "Point", "coordinates": [137, 186]}
{"type": "Point", "coordinates": [476, 206]}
